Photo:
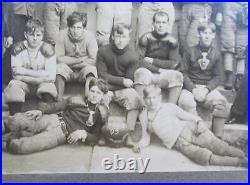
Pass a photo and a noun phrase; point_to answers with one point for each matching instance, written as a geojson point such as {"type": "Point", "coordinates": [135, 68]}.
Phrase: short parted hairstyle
{"type": "Point", "coordinates": [160, 14]}
{"type": "Point", "coordinates": [151, 88]}
{"type": "Point", "coordinates": [76, 17]}
{"type": "Point", "coordinates": [33, 25]}
{"type": "Point", "coordinates": [206, 25]}
{"type": "Point", "coordinates": [120, 28]}
{"type": "Point", "coordinates": [101, 84]}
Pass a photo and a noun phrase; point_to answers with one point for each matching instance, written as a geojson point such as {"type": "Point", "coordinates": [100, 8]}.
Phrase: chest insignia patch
{"type": "Point", "coordinates": [204, 61]}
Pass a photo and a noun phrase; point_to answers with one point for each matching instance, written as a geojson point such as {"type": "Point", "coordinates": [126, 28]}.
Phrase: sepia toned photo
{"type": "Point", "coordinates": [124, 87]}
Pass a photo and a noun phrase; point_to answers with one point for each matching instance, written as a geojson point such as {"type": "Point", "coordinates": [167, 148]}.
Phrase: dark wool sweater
{"type": "Point", "coordinates": [75, 117]}
{"type": "Point", "coordinates": [113, 65]}
{"type": "Point", "coordinates": [192, 72]}
{"type": "Point", "coordinates": [165, 54]}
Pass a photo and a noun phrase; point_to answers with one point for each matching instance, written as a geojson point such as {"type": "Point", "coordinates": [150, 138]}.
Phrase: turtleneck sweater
{"type": "Point", "coordinates": [165, 54]}
{"type": "Point", "coordinates": [114, 65]}
{"type": "Point", "coordinates": [194, 74]}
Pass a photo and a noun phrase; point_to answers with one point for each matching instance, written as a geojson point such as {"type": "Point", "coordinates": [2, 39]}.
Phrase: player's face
{"type": "Point", "coordinates": [153, 100]}
{"type": "Point", "coordinates": [121, 40]}
{"type": "Point", "coordinates": [161, 25]}
{"type": "Point", "coordinates": [95, 95]}
{"type": "Point", "coordinates": [34, 39]}
{"type": "Point", "coordinates": [206, 37]}
{"type": "Point", "coordinates": [76, 30]}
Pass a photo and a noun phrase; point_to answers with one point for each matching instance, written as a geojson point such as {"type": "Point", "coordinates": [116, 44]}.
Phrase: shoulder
{"type": "Point", "coordinates": [106, 49]}
{"type": "Point", "coordinates": [216, 52]}
{"type": "Point", "coordinates": [47, 50]}
{"type": "Point", "coordinates": [171, 41]}
{"type": "Point", "coordinates": [63, 32]}
{"type": "Point", "coordinates": [191, 51]}
{"type": "Point", "coordinates": [63, 35]}
{"type": "Point", "coordinates": [132, 54]}
{"type": "Point", "coordinates": [143, 41]}
{"type": "Point", "coordinates": [89, 35]}
{"type": "Point", "coordinates": [18, 48]}
{"type": "Point", "coordinates": [90, 38]}
{"type": "Point", "coordinates": [169, 106]}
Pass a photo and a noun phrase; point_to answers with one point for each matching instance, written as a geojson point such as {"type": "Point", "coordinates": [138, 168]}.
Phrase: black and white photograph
{"type": "Point", "coordinates": [124, 87]}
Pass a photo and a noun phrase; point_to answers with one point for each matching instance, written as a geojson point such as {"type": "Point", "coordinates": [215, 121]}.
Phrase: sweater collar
{"type": "Point", "coordinates": [157, 36]}
{"type": "Point", "coordinates": [118, 51]}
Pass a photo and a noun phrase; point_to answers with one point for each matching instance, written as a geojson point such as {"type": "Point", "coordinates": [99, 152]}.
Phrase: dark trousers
{"type": "Point", "coordinates": [18, 27]}
{"type": "Point", "coordinates": [239, 109]}
{"type": "Point", "coordinates": [6, 67]}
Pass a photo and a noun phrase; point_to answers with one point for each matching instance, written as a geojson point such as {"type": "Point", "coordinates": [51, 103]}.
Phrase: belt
{"type": "Point", "coordinates": [63, 124]}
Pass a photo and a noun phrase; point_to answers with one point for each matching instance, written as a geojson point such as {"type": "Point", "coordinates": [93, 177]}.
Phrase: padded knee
{"type": "Point", "coordinates": [220, 111]}
{"type": "Point", "coordinates": [143, 76]}
{"type": "Point", "coordinates": [47, 88]}
{"type": "Point", "coordinates": [187, 102]}
{"type": "Point", "coordinates": [87, 71]}
{"type": "Point", "coordinates": [14, 92]}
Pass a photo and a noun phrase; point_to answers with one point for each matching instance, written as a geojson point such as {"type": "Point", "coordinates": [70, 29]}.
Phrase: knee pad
{"type": "Point", "coordinates": [64, 70]}
{"type": "Point", "coordinates": [220, 110]}
{"type": "Point", "coordinates": [143, 76]}
{"type": "Point", "coordinates": [87, 71]}
{"type": "Point", "coordinates": [13, 123]}
{"type": "Point", "coordinates": [128, 98]}
{"type": "Point", "coordinates": [187, 103]}
{"type": "Point", "coordinates": [14, 93]}
{"type": "Point", "coordinates": [203, 156]}
{"type": "Point", "coordinates": [48, 88]}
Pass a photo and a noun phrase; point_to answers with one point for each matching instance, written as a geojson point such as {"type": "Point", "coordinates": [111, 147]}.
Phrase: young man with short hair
{"type": "Point", "coordinates": [33, 65]}
{"type": "Point", "coordinates": [76, 50]}
{"type": "Point", "coordinates": [45, 128]}
{"type": "Point", "coordinates": [185, 132]}
{"type": "Point", "coordinates": [147, 11]}
{"type": "Point", "coordinates": [116, 64]}
{"type": "Point", "coordinates": [202, 66]}
{"type": "Point", "coordinates": [160, 59]}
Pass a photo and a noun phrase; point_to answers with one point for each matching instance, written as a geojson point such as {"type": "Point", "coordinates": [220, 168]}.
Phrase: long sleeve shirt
{"type": "Point", "coordinates": [164, 54]}
{"type": "Point", "coordinates": [114, 65]}
{"type": "Point", "coordinates": [192, 70]}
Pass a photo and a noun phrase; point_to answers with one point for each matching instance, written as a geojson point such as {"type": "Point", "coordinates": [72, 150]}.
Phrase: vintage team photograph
{"type": "Point", "coordinates": [124, 87]}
